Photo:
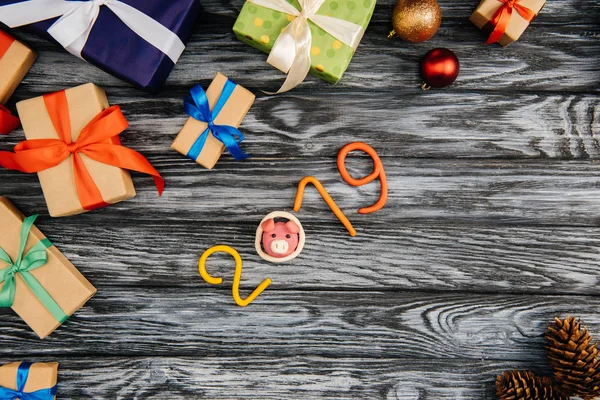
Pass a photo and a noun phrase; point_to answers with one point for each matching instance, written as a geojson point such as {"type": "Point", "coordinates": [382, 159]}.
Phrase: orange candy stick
{"type": "Point", "coordinates": [378, 172]}
{"type": "Point", "coordinates": [330, 202]}
{"type": "Point", "coordinates": [237, 277]}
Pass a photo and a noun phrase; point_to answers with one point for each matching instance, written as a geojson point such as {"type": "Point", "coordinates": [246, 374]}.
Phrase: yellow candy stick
{"type": "Point", "coordinates": [328, 199]}
{"type": "Point", "coordinates": [235, 290]}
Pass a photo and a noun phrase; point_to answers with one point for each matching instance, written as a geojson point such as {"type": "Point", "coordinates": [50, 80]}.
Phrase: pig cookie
{"type": "Point", "coordinates": [277, 246]}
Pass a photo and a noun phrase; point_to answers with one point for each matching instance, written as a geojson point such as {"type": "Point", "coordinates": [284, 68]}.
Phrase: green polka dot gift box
{"type": "Point", "coordinates": [260, 27]}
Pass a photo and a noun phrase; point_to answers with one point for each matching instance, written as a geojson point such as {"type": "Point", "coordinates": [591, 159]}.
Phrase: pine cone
{"type": "Point", "coordinates": [574, 358]}
{"type": "Point", "coordinates": [525, 385]}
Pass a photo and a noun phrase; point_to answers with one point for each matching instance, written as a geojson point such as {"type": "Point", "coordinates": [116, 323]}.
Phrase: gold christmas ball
{"type": "Point", "coordinates": [416, 20]}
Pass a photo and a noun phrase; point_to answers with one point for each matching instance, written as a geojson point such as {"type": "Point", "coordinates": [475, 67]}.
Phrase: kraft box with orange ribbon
{"type": "Point", "coordinates": [15, 61]}
{"type": "Point", "coordinates": [505, 20]}
{"type": "Point", "coordinates": [73, 144]}
{"type": "Point", "coordinates": [36, 280]}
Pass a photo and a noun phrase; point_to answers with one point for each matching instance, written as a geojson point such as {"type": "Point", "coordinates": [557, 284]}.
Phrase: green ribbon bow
{"type": "Point", "coordinates": [35, 258]}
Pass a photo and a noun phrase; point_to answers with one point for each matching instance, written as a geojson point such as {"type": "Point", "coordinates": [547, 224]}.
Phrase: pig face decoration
{"type": "Point", "coordinates": [280, 240]}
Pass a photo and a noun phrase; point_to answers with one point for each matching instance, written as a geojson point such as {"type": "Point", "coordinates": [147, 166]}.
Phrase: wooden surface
{"type": "Point", "coordinates": [492, 226]}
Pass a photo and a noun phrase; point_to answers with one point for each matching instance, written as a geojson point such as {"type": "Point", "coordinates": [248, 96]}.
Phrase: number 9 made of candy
{"type": "Point", "coordinates": [280, 237]}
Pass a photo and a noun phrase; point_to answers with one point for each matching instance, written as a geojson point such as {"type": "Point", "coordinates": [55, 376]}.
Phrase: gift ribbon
{"type": "Point", "coordinates": [23, 265]}
{"type": "Point", "coordinates": [5, 42]}
{"type": "Point", "coordinates": [8, 122]}
{"type": "Point", "coordinates": [77, 18]}
{"type": "Point", "coordinates": [197, 106]}
{"type": "Point", "coordinates": [37, 155]}
{"type": "Point", "coordinates": [22, 376]}
{"type": "Point", "coordinates": [291, 51]}
{"type": "Point", "coordinates": [503, 15]}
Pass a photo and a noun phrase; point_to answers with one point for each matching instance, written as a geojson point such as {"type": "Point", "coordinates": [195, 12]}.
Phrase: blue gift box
{"type": "Point", "coordinates": [115, 48]}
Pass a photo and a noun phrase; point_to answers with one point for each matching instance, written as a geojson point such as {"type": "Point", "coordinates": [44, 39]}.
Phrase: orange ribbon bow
{"type": "Point", "coordinates": [503, 15]}
{"type": "Point", "coordinates": [99, 140]}
{"type": "Point", "coordinates": [8, 122]}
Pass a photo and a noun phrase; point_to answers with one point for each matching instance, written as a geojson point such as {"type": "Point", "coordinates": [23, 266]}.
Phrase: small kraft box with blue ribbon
{"type": "Point", "coordinates": [36, 280]}
{"type": "Point", "coordinates": [139, 41]}
{"type": "Point", "coordinates": [215, 116]}
{"type": "Point", "coordinates": [28, 381]}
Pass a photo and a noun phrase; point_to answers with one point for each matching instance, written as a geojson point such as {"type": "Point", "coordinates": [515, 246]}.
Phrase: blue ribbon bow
{"type": "Point", "coordinates": [22, 376]}
{"type": "Point", "coordinates": [197, 106]}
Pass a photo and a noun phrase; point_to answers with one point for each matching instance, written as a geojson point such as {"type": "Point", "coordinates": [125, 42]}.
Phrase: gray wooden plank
{"type": "Point", "coordinates": [398, 124]}
{"type": "Point", "coordinates": [541, 192]}
{"type": "Point", "coordinates": [202, 321]}
{"type": "Point", "coordinates": [262, 377]}
{"type": "Point", "coordinates": [430, 256]}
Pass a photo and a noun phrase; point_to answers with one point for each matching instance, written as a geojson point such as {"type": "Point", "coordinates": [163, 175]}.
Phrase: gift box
{"type": "Point", "coordinates": [38, 380]}
{"type": "Point", "coordinates": [330, 53]}
{"type": "Point", "coordinates": [138, 41]}
{"type": "Point", "coordinates": [15, 61]}
{"type": "Point", "coordinates": [73, 144]}
{"type": "Point", "coordinates": [45, 287]}
{"type": "Point", "coordinates": [224, 105]}
{"type": "Point", "coordinates": [505, 21]}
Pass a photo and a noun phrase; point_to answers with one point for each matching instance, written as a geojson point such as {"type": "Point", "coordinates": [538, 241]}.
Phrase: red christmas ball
{"type": "Point", "coordinates": [439, 68]}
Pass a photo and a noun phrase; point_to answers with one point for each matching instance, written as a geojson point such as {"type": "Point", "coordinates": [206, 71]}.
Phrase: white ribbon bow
{"type": "Point", "coordinates": [291, 51]}
{"type": "Point", "coordinates": [77, 18]}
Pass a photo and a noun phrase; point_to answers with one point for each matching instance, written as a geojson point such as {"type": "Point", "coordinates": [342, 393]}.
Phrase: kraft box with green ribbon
{"type": "Point", "coordinates": [36, 280]}
{"type": "Point", "coordinates": [319, 36]}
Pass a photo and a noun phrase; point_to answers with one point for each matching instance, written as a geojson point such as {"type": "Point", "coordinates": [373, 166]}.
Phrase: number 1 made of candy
{"type": "Point", "coordinates": [235, 289]}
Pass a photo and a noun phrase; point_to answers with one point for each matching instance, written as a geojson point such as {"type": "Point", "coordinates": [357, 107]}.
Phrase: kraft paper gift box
{"type": "Point", "coordinates": [522, 14]}
{"type": "Point", "coordinates": [73, 144]}
{"type": "Point", "coordinates": [15, 61]}
{"type": "Point", "coordinates": [85, 102]}
{"type": "Point", "coordinates": [110, 43]}
{"type": "Point", "coordinates": [62, 282]}
{"type": "Point", "coordinates": [35, 377]}
{"type": "Point", "coordinates": [232, 114]}
{"type": "Point", "coordinates": [260, 27]}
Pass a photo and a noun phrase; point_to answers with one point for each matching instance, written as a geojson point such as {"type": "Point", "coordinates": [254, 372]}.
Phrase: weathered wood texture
{"type": "Point", "coordinates": [491, 229]}
{"type": "Point", "coordinates": [444, 256]}
{"type": "Point", "coordinates": [540, 192]}
{"type": "Point", "coordinates": [201, 321]}
{"type": "Point", "coordinates": [259, 377]}
{"type": "Point", "coordinates": [439, 124]}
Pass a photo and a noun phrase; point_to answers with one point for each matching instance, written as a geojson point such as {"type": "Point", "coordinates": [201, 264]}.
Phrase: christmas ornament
{"type": "Point", "coordinates": [574, 358]}
{"type": "Point", "coordinates": [416, 20]}
{"type": "Point", "coordinates": [439, 68]}
{"type": "Point", "coordinates": [525, 385]}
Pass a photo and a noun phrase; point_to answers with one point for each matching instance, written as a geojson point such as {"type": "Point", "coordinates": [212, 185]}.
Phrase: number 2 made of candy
{"type": "Point", "coordinates": [235, 289]}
